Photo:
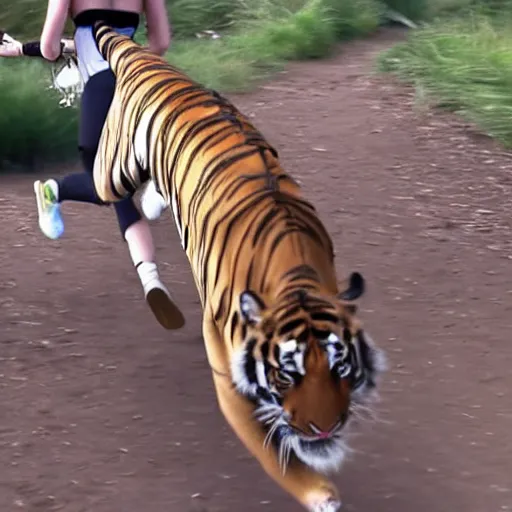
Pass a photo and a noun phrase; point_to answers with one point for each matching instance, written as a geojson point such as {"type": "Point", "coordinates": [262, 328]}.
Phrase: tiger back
{"type": "Point", "coordinates": [290, 359]}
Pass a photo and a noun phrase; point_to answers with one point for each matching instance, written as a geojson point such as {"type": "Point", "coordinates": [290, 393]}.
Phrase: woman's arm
{"type": "Point", "coordinates": [56, 17]}
{"type": "Point", "coordinates": [51, 46]}
{"type": "Point", "coordinates": [159, 28]}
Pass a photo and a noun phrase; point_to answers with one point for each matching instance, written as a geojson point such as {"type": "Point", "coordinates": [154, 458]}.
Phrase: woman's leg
{"type": "Point", "coordinates": [96, 100]}
{"type": "Point", "coordinates": [94, 106]}
{"type": "Point", "coordinates": [137, 233]}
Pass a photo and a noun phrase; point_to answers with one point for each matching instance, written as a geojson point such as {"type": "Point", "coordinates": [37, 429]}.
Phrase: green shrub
{"type": "Point", "coordinates": [191, 16]}
{"type": "Point", "coordinates": [258, 36]}
{"type": "Point", "coordinates": [231, 72]}
{"type": "Point", "coordinates": [464, 65]}
{"type": "Point", "coordinates": [33, 126]}
{"type": "Point", "coordinates": [415, 10]}
{"type": "Point", "coordinates": [444, 7]}
{"type": "Point", "coordinates": [268, 34]}
{"type": "Point", "coordinates": [25, 18]}
{"type": "Point", "coordinates": [246, 56]}
{"type": "Point", "coordinates": [354, 19]}
{"type": "Point", "coordinates": [307, 34]}
{"type": "Point", "coordinates": [22, 18]}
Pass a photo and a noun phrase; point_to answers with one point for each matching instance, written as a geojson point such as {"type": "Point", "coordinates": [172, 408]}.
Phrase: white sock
{"type": "Point", "coordinates": [147, 271]}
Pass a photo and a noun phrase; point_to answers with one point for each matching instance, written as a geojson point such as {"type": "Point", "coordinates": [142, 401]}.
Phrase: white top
{"type": "Point", "coordinates": [90, 60]}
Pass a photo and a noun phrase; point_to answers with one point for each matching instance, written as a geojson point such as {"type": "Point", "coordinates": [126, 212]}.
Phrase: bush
{"type": "Point", "coordinates": [415, 10]}
{"type": "Point", "coordinates": [444, 7]}
{"type": "Point", "coordinates": [258, 36]}
{"type": "Point", "coordinates": [354, 19]}
{"type": "Point", "coordinates": [23, 18]}
{"type": "Point", "coordinates": [33, 126]}
{"type": "Point", "coordinates": [307, 34]}
{"type": "Point", "coordinates": [464, 65]}
{"type": "Point", "coordinates": [191, 16]}
{"type": "Point", "coordinates": [268, 33]}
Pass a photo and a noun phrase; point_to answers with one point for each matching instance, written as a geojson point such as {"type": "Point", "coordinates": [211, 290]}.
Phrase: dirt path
{"type": "Point", "coordinates": [102, 411]}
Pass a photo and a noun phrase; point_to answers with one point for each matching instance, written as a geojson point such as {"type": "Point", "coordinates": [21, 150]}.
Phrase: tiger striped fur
{"type": "Point", "coordinates": [290, 359]}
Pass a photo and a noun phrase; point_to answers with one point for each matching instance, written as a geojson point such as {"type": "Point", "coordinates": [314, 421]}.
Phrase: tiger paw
{"type": "Point", "coordinates": [330, 505]}
{"type": "Point", "coordinates": [326, 501]}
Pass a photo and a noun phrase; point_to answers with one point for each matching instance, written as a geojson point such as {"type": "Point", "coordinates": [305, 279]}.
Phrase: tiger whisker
{"type": "Point", "coordinates": [284, 454]}
{"type": "Point", "coordinates": [362, 408]}
{"type": "Point", "coordinates": [268, 413]}
{"type": "Point", "coordinates": [270, 433]}
{"type": "Point", "coordinates": [366, 413]}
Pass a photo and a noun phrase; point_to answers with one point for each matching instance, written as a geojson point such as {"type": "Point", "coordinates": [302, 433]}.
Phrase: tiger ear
{"type": "Point", "coordinates": [355, 289]}
{"type": "Point", "coordinates": [251, 307]}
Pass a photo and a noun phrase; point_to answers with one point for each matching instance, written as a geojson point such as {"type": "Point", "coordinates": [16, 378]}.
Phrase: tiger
{"type": "Point", "coordinates": [289, 357]}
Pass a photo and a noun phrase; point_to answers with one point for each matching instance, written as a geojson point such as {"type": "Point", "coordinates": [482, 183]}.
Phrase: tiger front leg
{"type": "Point", "coordinates": [314, 491]}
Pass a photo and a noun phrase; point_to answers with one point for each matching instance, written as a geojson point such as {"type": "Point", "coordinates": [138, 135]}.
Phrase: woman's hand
{"type": "Point", "coordinates": [69, 46]}
{"type": "Point", "coordinates": [10, 47]}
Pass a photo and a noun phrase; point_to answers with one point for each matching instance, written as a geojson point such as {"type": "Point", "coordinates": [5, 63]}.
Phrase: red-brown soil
{"type": "Point", "coordinates": [102, 410]}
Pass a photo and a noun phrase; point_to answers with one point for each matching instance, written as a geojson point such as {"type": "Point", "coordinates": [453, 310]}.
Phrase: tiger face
{"type": "Point", "coordinates": [306, 363]}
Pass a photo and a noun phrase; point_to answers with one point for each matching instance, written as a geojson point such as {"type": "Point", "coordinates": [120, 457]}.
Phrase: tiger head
{"type": "Point", "coordinates": [307, 364]}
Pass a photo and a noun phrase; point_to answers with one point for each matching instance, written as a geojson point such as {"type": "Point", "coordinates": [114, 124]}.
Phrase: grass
{"type": "Point", "coordinates": [465, 65]}
{"type": "Point", "coordinates": [261, 35]}
{"type": "Point", "coordinates": [415, 10]}
{"type": "Point", "coordinates": [437, 7]}
{"type": "Point", "coordinates": [257, 47]}
{"type": "Point", "coordinates": [33, 127]}
{"type": "Point", "coordinates": [258, 37]}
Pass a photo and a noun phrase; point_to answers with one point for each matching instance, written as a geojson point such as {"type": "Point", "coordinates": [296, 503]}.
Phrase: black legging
{"type": "Point", "coordinates": [95, 102]}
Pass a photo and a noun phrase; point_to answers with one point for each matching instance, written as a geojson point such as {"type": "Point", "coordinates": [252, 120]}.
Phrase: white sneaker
{"type": "Point", "coordinates": [48, 208]}
{"type": "Point", "coordinates": [158, 297]}
{"type": "Point", "coordinates": [151, 202]}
